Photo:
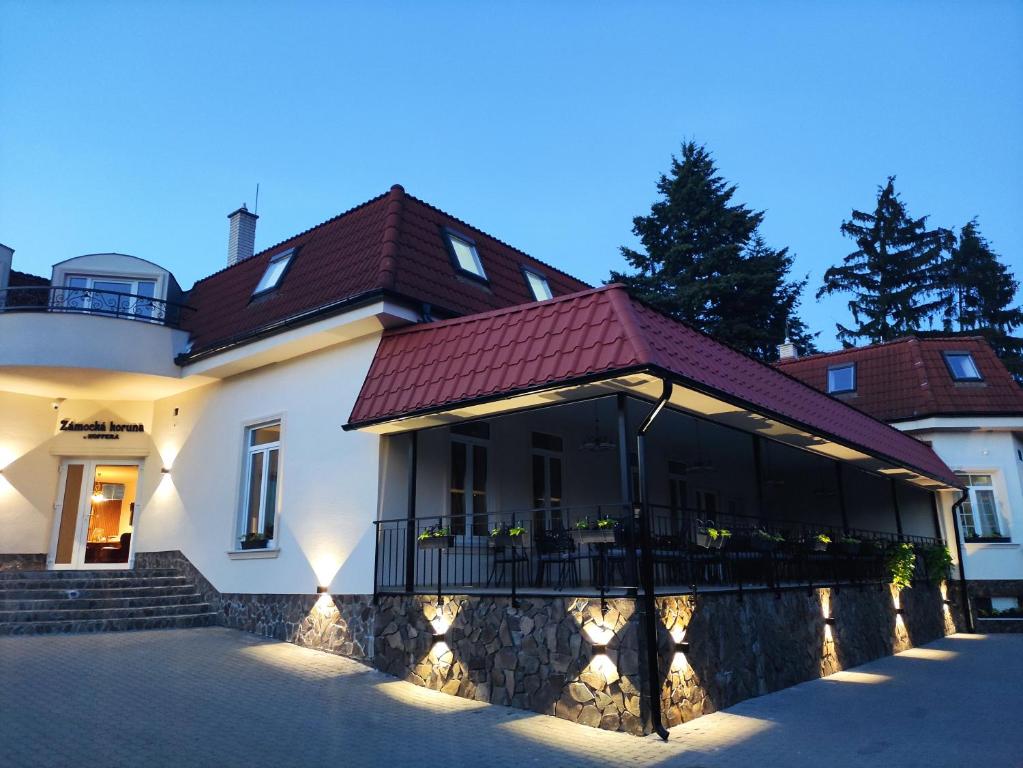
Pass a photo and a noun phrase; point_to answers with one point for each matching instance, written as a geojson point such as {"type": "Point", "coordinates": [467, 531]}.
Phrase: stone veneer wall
{"type": "Point", "coordinates": [996, 588]}
{"type": "Point", "coordinates": [540, 655]}
{"type": "Point", "coordinates": [23, 562]}
{"type": "Point", "coordinates": [340, 624]}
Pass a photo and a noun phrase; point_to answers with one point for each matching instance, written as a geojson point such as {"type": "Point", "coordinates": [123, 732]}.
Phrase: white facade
{"type": "Point", "coordinates": [984, 446]}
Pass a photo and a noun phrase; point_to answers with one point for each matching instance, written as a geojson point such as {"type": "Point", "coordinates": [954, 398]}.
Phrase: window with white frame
{"type": "Point", "coordinates": [841, 378]}
{"type": "Point", "coordinates": [274, 271]}
{"type": "Point", "coordinates": [538, 285]}
{"type": "Point", "coordinates": [468, 487]}
{"type": "Point", "coordinates": [978, 514]}
{"type": "Point", "coordinates": [109, 295]}
{"type": "Point", "coordinates": [262, 470]}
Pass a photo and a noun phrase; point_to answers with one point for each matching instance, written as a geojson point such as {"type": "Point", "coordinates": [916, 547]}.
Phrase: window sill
{"type": "Point", "coordinates": [253, 554]}
{"type": "Point", "coordinates": [991, 541]}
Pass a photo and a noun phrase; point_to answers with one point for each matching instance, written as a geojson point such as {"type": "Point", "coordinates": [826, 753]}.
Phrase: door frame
{"type": "Point", "coordinates": [82, 515]}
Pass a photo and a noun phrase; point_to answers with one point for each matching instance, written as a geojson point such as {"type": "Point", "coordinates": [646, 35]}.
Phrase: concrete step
{"type": "Point", "coordinates": [90, 614]}
{"type": "Point", "coordinates": [108, 625]}
{"type": "Point", "coordinates": [95, 593]}
{"type": "Point", "coordinates": [99, 603]}
{"type": "Point", "coordinates": [90, 574]}
{"type": "Point", "coordinates": [92, 583]}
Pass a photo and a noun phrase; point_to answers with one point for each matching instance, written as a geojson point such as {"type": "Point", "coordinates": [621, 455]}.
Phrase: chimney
{"type": "Point", "coordinates": [787, 351]}
{"type": "Point", "coordinates": [242, 239]}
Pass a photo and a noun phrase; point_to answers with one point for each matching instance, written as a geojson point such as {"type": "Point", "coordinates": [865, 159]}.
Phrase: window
{"type": "Point", "coordinates": [547, 490]}
{"type": "Point", "coordinates": [468, 492]}
{"type": "Point", "coordinates": [841, 378]}
{"type": "Point", "coordinates": [262, 470]}
{"type": "Point", "coordinates": [465, 256]}
{"type": "Point", "coordinates": [538, 285]}
{"type": "Point", "coordinates": [110, 295]}
{"type": "Point", "coordinates": [962, 367]}
{"type": "Point", "coordinates": [707, 503]}
{"type": "Point", "coordinates": [274, 271]}
{"type": "Point", "coordinates": [978, 514]}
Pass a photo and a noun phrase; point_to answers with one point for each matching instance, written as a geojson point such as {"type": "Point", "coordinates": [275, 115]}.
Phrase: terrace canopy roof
{"type": "Point", "coordinates": [602, 341]}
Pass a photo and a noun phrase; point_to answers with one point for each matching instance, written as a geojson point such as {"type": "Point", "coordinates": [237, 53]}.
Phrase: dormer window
{"type": "Point", "coordinates": [962, 367]}
{"type": "Point", "coordinates": [841, 379]}
{"type": "Point", "coordinates": [537, 285]}
{"type": "Point", "coordinates": [465, 256]}
{"type": "Point", "coordinates": [274, 271]}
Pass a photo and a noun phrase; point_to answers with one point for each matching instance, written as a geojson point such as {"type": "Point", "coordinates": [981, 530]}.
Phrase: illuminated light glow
{"type": "Point", "coordinates": [597, 634]}
{"type": "Point", "coordinates": [603, 664]}
{"type": "Point", "coordinates": [928, 654]}
{"type": "Point", "coordinates": [98, 498]}
{"type": "Point", "coordinates": [325, 604]}
{"type": "Point", "coordinates": [861, 678]}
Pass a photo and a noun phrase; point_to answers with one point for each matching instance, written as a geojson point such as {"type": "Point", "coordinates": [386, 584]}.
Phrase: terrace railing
{"type": "Point", "coordinates": [47, 298]}
{"type": "Point", "coordinates": [598, 549]}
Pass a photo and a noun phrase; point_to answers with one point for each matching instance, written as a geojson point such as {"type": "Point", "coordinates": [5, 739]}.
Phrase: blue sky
{"type": "Point", "coordinates": [137, 127]}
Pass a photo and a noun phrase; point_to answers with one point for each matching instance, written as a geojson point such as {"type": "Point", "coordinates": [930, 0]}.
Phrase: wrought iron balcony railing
{"type": "Point", "coordinates": [598, 548]}
{"type": "Point", "coordinates": [89, 301]}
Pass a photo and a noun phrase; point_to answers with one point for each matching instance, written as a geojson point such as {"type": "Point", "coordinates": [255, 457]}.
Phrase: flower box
{"type": "Point", "coordinates": [597, 536]}
{"type": "Point", "coordinates": [506, 540]}
{"type": "Point", "coordinates": [254, 543]}
{"type": "Point", "coordinates": [813, 545]}
{"type": "Point", "coordinates": [706, 541]}
{"type": "Point", "coordinates": [437, 542]}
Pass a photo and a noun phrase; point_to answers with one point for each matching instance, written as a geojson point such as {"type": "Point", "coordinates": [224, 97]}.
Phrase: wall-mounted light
{"type": "Point", "coordinates": [900, 611]}
{"type": "Point", "coordinates": [682, 646]}
{"type": "Point", "coordinates": [599, 650]}
{"type": "Point", "coordinates": [439, 637]}
{"type": "Point", "coordinates": [165, 470]}
{"type": "Point", "coordinates": [322, 590]}
{"type": "Point", "coordinates": [946, 602]}
{"type": "Point", "coordinates": [830, 620]}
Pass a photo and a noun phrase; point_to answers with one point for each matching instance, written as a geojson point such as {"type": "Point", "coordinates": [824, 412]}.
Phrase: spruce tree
{"type": "Point", "coordinates": [892, 274]}
{"type": "Point", "coordinates": [704, 263]}
{"type": "Point", "coordinates": [978, 291]}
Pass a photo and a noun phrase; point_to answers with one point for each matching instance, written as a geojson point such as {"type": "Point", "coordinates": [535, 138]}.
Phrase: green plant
{"type": "Point", "coordinates": [849, 540]}
{"type": "Point", "coordinates": [433, 531]}
{"type": "Point", "coordinates": [718, 533]}
{"type": "Point", "coordinates": [760, 533]}
{"type": "Point", "coordinates": [582, 525]}
{"type": "Point", "coordinates": [250, 537]}
{"type": "Point", "coordinates": [508, 530]}
{"type": "Point", "coordinates": [900, 561]}
{"type": "Point", "coordinates": [823, 538]}
{"type": "Point", "coordinates": [937, 560]}
{"type": "Point", "coordinates": [605, 522]}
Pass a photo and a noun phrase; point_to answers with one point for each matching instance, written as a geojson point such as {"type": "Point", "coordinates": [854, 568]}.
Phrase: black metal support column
{"type": "Point", "coordinates": [937, 515]}
{"type": "Point", "coordinates": [623, 450]}
{"type": "Point", "coordinates": [895, 506]}
{"type": "Point", "coordinates": [840, 480]}
{"type": "Point", "coordinates": [410, 525]}
{"type": "Point", "coordinates": [647, 569]}
{"type": "Point", "coordinates": [964, 592]}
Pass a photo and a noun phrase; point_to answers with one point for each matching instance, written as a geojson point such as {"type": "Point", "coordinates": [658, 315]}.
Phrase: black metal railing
{"type": "Point", "coordinates": [598, 548]}
{"type": "Point", "coordinates": [89, 301]}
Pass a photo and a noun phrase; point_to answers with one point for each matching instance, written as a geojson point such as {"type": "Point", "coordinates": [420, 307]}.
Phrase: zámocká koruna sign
{"type": "Point", "coordinates": [99, 430]}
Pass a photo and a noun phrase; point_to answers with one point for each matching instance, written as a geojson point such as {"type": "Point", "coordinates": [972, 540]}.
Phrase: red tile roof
{"type": "Point", "coordinates": [393, 243]}
{"type": "Point", "coordinates": [604, 331]}
{"type": "Point", "coordinates": [907, 378]}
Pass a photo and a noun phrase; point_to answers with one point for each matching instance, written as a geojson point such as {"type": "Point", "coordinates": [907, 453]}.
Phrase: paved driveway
{"type": "Point", "coordinates": [216, 697]}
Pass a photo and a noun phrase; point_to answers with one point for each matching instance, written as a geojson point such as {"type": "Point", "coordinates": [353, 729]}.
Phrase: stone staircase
{"type": "Point", "coordinates": [45, 602]}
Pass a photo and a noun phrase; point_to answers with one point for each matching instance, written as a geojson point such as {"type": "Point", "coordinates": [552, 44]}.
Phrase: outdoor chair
{"type": "Point", "coordinates": [556, 549]}
{"type": "Point", "coordinates": [504, 558]}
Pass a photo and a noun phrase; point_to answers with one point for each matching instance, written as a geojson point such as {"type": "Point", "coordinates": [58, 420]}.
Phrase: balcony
{"type": "Point", "coordinates": [73, 342]}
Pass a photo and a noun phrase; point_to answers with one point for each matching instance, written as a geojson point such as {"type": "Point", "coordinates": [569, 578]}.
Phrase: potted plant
{"type": "Point", "coordinates": [507, 535]}
{"type": "Point", "coordinates": [937, 560]}
{"type": "Point", "coordinates": [900, 561]}
{"type": "Point", "coordinates": [763, 540]}
{"type": "Point", "coordinates": [602, 531]}
{"type": "Point", "coordinates": [436, 537]}
{"type": "Point", "coordinates": [847, 545]}
{"type": "Point", "coordinates": [818, 542]}
{"type": "Point", "coordinates": [711, 537]}
{"type": "Point", "coordinates": [255, 541]}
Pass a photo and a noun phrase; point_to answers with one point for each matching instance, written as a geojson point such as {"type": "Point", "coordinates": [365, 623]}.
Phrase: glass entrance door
{"type": "Point", "coordinates": [94, 515]}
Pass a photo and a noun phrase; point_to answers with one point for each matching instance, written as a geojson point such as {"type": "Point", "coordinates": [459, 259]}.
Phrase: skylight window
{"type": "Point", "coordinates": [274, 271]}
{"type": "Point", "coordinates": [962, 367]}
{"type": "Point", "coordinates": [842, 378]}
{"type": "Point", "coordinates": [465, 256]}
{"type": "Point", "coordinates": [538, 285]}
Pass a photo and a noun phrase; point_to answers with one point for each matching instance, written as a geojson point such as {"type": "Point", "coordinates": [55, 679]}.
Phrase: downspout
{"type": "Point", "coordinates": [647, 566]}
{"type": "Point", "coordinates": [964, 596]}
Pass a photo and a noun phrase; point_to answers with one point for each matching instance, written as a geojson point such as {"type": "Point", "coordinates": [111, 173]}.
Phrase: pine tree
{"type": "Point", "coordinates": [978, 291]}
{"type": "Point", "coordinates": [705, 264]}
{"type": "Point", "coordinates": [893, 273]}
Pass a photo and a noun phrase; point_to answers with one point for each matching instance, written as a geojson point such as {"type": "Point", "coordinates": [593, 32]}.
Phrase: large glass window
{"type": "Point", "coordinates": [468, 491]}
{"type": "Point", "coordinates": [962, 366]}
{"type": "Point", "coordinates": [978, 514]}
{"type": "Point", "coordinates": [262, 471]}
{"type": "Point", "coordinates": [547, 485]}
